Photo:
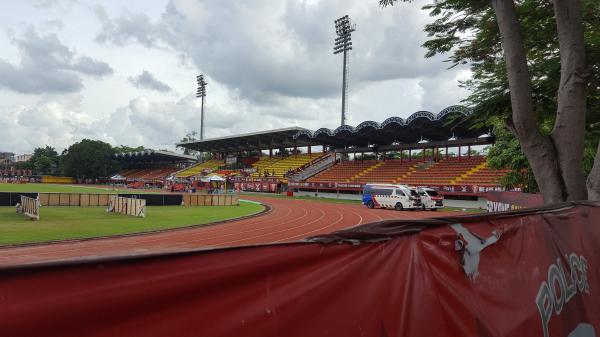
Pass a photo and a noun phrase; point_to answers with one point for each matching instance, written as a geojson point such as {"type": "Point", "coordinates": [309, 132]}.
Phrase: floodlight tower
{"type": "Point", "coordinates": [201, 93]}
{"type": "Point", "coordinates": [343, 44]}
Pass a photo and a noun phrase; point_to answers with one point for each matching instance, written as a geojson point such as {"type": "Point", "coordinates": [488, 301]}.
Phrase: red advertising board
{"type": "Point", "coordinates": [530, 273]}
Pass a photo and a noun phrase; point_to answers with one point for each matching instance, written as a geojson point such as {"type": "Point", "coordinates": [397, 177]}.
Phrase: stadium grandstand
{"type": "Point", "coordinates": [150, 167]}
{"type": "Point", "coordinates": [426, 149]}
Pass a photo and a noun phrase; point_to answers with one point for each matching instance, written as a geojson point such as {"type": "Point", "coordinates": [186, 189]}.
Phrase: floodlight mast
{"type": "Point", "coordinates": [343, 43]}
{"type": "Point", "coordinates": [201, 93]}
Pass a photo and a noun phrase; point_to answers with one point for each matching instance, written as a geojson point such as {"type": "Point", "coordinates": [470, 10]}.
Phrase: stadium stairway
{"type": "Point", "coordinates": [314, 167]}
{"type": "Point", "coordinates": [366, 171]}
{"type": "Point", "coordinates": [483, 175]}
{"type": "Point", "coordinates": [469, 173]}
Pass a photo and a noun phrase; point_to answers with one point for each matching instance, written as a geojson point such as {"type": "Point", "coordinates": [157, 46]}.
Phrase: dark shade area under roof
{"type": "Point", "coordinates": [451, 122]}
{"type": "Point", "coordinates": [153, 156]}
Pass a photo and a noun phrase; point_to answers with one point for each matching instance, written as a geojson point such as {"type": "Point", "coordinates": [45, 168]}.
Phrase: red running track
{"type": "Point", "coordinates": [288, 220]}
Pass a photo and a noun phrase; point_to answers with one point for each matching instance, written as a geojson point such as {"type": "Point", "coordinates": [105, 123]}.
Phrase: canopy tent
{"type": "Point", "coordinates": [212, 177]}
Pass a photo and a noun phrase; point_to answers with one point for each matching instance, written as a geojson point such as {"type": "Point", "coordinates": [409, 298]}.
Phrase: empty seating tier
{"type": "Point", "coordinates": [279, 166]}
{"type": "Point", "coordinates": [390, 171]}
{"type": "Point", "coordinates": [148, 174]}
{"type": "Point", "coordinates": [345, 171]}
{"type": "Point", "coordinates": [197, 169]}
{"type": "Point", "coordinates": [466, 170]}
{"type": "Point", "coordinates": [443, 172]}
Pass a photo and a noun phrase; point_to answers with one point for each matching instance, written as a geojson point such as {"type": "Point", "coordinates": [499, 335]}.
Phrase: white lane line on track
{"type": "Point", "coordinates": [361, 218]}
{"type": "Point", "coordinates": [277, 232]}
{"type": "Point", "coordinates": [305, 234]}
{"type": "Point", "coordinates": [222, 235]}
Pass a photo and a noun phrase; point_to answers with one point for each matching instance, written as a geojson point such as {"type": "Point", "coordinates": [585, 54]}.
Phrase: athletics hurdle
{"type": "Point", "coordinates": [30, 207]}
{"type": "Point", "coordinates": [128, 206]}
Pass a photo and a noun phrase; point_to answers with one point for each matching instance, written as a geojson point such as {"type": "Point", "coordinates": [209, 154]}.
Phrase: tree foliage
{"type": "Point", "coordinates": [190, 136]}
{"type": "Point", "coordinates": [89, 159]}
{"type": "Point", "coordinates": [468, 31]}
{"type": "Point", "coordinates": [45, 160]}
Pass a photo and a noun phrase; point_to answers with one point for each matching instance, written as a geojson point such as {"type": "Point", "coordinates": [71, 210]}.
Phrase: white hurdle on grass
{"type": "Point", "coordinates": [30, 207]}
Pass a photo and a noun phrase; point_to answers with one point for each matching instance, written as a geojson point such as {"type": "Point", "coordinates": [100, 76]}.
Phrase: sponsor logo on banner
{"type": "Point", "coordinates": [498, 201]}
{"type": "Point", "coordinates": [560, 288]}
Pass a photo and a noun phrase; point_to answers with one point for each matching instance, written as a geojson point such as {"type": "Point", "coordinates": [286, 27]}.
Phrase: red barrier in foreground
{"type": "Point", "coordinates": [530, 273]}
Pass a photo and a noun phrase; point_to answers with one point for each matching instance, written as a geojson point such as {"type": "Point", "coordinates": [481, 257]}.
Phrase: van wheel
{"type": "Point", "coordinates": [370, 204]}
{"type": "Point", "coordinates": [399, 207]}
{"type": "Point", "coordinates": [423, 207]}
{"type": "Point", "coordinates": [434, 209]}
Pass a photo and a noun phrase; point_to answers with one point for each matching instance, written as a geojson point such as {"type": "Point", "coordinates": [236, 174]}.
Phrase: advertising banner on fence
{"type": "Point", "coordinates": [510, 201]}
{"type": "Point", "coordinates": [535, 273]}
{"type": "Point", "coordinates": [267, 185]}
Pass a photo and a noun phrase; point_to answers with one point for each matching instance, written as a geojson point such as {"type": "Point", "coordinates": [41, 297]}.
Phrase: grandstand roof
{"type": "Point", "coordinates": [271, 139]}
{"type": "Point", "coordinates": [451, 122]}
{"type": "Point", "coordinates": [153, 156]}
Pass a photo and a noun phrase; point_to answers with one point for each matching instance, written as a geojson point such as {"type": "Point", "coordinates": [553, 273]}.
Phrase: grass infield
{"type": "Point", "coordinates": [60, 223]}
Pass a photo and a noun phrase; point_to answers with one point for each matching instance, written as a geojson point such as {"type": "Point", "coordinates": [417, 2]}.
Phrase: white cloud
{"type": "Point", "coordinates": [48, 66]}
{"type": "Point", "coordinates": [269, 64]}
{"type": "Point", "coordinates": [146, 80]}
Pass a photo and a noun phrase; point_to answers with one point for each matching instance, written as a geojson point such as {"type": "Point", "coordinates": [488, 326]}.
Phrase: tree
{"type": "Point", "coordinates": [125, 149]}
{"type": "Point", "coordinates": [189, 137]}
{"type": "Point", "coordinates": [89, 159]}
{"type": "Point", "coordinates": [506, 153]}
{"type": "Point", "coordinates": [498, 39]}
{"type": "Point", "coordinates": [45, 160]}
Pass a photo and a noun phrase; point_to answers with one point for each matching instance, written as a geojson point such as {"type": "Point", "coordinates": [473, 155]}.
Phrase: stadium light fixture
{"type": "Point", "coordinates": [201, 93]}
{"type": "Point", "coordinates": [343, 44]}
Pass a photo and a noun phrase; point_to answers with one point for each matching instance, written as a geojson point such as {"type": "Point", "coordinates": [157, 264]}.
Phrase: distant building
{"type": "Point", "coordinates": [7, 157]}
{"type": "Point", "coordinates": [23, 157]}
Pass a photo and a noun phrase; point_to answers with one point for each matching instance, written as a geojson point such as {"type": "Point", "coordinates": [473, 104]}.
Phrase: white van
{"type": "Point", "coordinates": [430, 199]}
{"type": "Point", "coordinates": [399, 197]}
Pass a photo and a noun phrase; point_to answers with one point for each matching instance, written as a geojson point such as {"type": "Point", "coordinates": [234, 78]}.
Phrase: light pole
{"type": "Point", "coordinates": [343, 44]}
{"type": "Point", "coordinates": [201, 93]}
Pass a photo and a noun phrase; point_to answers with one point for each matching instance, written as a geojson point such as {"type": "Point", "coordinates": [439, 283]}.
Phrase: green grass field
{"type": "Point", "coordinates": [62, 188]}
{"type": "Point", "coordinates": [59, 223]}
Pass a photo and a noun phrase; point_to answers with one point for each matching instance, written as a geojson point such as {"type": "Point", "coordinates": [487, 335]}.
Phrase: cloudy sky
{"type": "Point", "coordinates": [124, 71]}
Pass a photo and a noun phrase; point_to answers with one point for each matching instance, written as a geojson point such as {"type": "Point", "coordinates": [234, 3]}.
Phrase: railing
{"type": "Point", "coordinates": [314, 167]}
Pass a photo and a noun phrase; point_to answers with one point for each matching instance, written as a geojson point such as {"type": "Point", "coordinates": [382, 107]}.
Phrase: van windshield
{"type": "Point", "coordinates": [414, 193]}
